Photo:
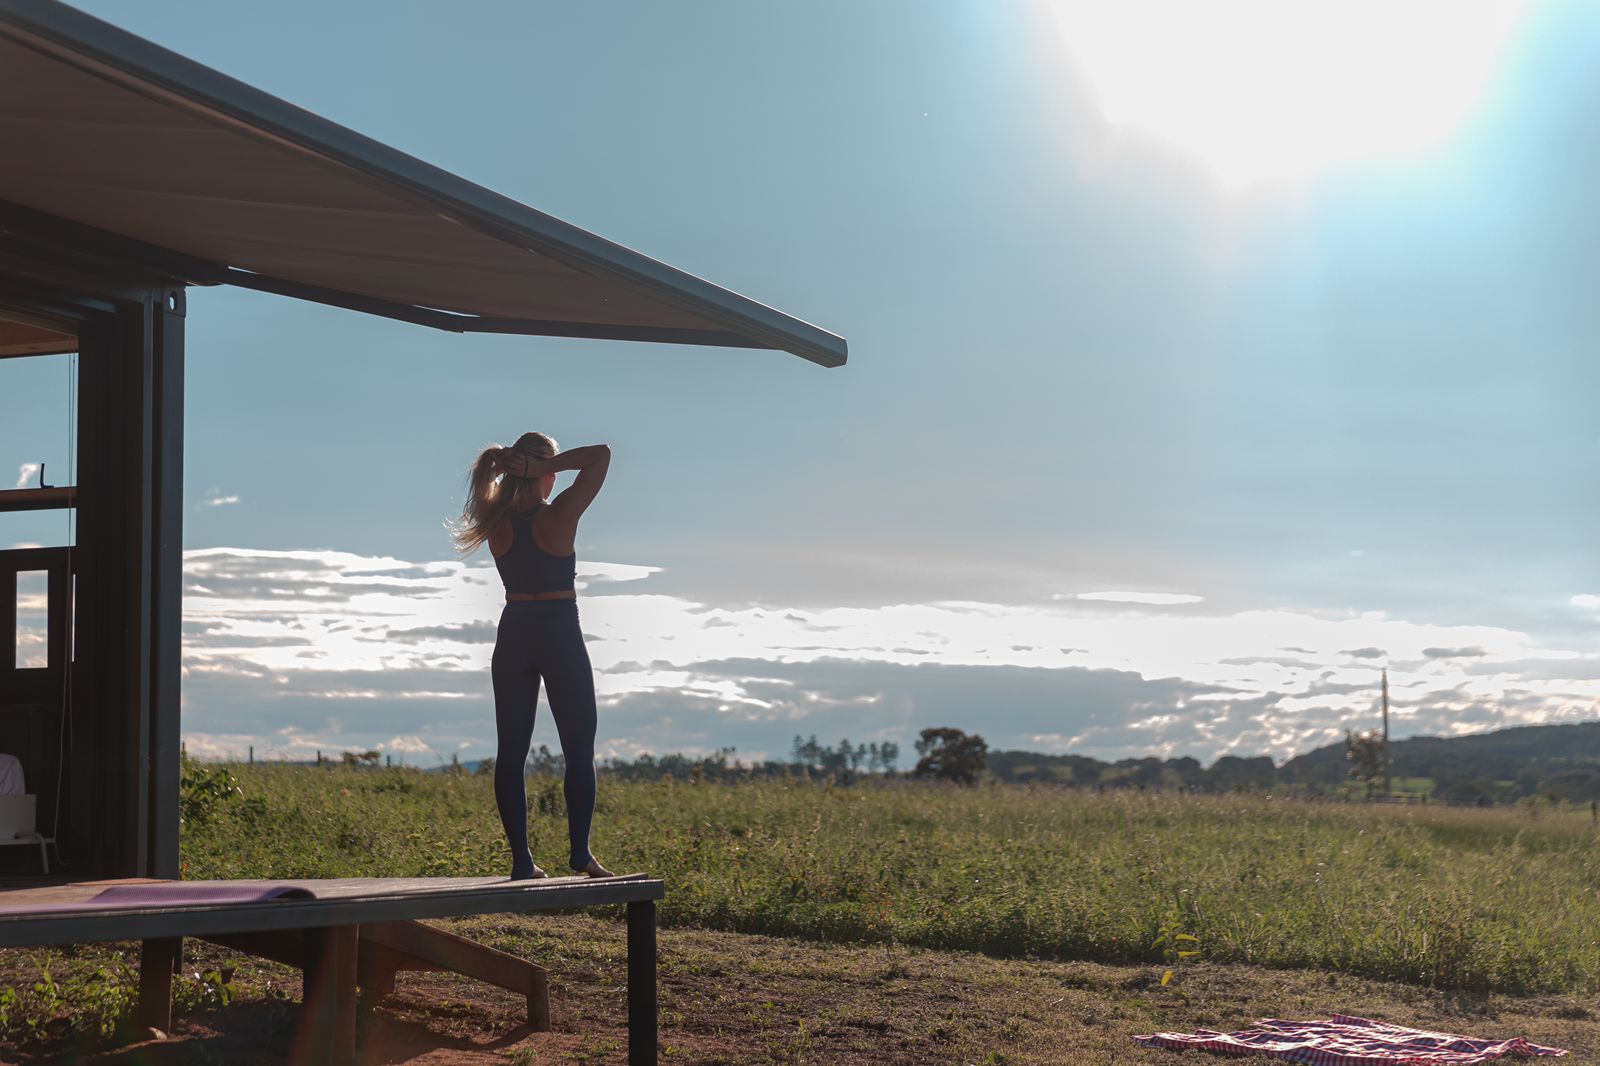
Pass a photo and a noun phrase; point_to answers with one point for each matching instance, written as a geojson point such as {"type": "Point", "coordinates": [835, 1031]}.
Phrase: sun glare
{"type": "Point", "coordinates": [1271, 91]}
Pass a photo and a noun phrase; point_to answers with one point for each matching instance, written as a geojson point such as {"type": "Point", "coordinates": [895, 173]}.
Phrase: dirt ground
{"type": "Point", "coordinates": [737, 999]}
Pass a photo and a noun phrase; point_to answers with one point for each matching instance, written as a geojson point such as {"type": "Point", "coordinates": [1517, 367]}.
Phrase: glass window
{"type": "Point", "coordinates": [33, 620]}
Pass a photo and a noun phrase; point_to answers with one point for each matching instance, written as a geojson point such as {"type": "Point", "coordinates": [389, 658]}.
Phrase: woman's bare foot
{"type": "Point", "coordinates": [594, 869]}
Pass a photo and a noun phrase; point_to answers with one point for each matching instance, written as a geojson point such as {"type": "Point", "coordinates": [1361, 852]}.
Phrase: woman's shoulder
{"type": "Point", "coordinates": [554, 534]}
{"type": "Point", "coordinates": [501, 535]}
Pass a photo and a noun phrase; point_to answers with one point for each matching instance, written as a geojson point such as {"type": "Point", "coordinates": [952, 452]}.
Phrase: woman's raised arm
{"type": "Point", "coordinates": [590, 461]}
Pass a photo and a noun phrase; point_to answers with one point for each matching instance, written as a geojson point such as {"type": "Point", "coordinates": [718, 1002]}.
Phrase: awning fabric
{"type": "Point", "coordinates": [106, 130]}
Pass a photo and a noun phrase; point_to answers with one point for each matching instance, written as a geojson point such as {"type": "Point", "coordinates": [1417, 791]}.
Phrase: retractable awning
{"type": "Point", "coordinates": [220, 183]}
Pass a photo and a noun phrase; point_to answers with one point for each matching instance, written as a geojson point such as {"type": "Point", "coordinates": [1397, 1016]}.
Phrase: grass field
{"type": "Point", "coordinates": [732, 999]}
{"type": "Point", "coordinates": [1489, 900]}
{"type": "Point", "coordinates": [902, 922]}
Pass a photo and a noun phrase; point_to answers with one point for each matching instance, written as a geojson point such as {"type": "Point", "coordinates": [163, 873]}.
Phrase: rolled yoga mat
{"type": "Point", "coordinates": [163, 894]}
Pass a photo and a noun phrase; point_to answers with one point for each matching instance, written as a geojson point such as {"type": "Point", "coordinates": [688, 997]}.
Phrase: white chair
{"type": "Point", "coordinates": [18, 818]}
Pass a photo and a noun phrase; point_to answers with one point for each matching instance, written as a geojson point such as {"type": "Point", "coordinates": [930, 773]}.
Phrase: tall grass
{"type": "Point", "coordinates": [1495, 900]}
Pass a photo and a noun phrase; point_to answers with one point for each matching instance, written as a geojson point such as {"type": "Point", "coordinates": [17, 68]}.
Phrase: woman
{"type": "Point", "coordinates": [532, 539]}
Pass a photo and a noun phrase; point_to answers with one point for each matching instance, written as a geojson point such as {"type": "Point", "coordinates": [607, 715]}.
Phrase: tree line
{"type": "Point", "coordinates": [1558, 762]}
{"type": "Point", "coordinates": [944, 754]}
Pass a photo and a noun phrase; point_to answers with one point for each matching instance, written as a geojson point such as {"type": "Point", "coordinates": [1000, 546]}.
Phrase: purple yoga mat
{"type": "Point", "coordinates": [166, 894]}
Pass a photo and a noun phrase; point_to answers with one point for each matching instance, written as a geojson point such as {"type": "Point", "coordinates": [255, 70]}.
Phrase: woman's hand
{"type": "Point", "coordinates": [520, 464]}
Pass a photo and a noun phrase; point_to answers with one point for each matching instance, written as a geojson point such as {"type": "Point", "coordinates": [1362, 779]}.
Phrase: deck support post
{"type": "Point", "coordinates": [539, 1001]}
{"type": "Point", "coordinates": [642, 982]}
{"type": "Point", "coordinates": [157, 960]}
{"type": "Point", "coordinates": [376, 967]}
{"type": "Point", "coordinates": [327, 1031]}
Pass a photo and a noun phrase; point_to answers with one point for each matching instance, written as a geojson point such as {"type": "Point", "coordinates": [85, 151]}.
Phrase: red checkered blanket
{"type": "Point", "coordinates": [1345, 1040]}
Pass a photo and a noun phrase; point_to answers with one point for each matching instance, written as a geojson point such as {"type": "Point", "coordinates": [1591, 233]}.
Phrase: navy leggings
{"type": "Point", "coordinates": [541, 638]}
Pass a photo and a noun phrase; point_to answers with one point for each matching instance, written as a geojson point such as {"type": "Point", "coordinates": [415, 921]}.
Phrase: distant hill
{"type": "Point", "coordinates": [1559, 760]}
{"type": "Point", "coordinates": [1519, 760]}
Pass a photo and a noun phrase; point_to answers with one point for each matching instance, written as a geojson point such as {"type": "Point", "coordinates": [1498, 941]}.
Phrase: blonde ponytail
{"type": "Point", "coordinates": [490, 492]}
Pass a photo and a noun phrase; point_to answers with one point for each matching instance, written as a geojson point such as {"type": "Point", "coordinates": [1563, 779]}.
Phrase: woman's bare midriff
{"type": "Point", "coordinates": [529, 597]}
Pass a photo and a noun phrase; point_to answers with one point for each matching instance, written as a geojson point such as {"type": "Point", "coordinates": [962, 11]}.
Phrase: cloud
{"type": "Point", "coordinates": [215, 498]}
{"type": "Point", "coordinates": [464, 632]}
{"type": "Point", "coordinates": [216, 746]}
{"type": "Point", "coordinates": [1159, 599]}
{"type": "Point", "coordinates": [599, 573]}
{"type": "Point", "coordinates": [27, 475]}
{"type": "Point", "coordinates": [1586, 601]}
{"type": "Point", "coordinates": [347, 651]}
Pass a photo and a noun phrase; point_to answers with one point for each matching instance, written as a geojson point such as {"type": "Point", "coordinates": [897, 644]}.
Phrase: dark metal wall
{"type": "Point", "coordinates": [120, 815]}
{"type": "Point", "coordinates": [130, 514]}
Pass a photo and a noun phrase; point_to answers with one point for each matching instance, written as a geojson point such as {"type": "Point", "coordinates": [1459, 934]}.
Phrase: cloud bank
{"type": "Point", "coordinates": [292, 652]}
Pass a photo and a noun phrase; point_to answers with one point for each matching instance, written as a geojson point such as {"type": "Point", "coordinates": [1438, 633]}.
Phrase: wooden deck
{"type": "Point", "coordinates": [350, 939]}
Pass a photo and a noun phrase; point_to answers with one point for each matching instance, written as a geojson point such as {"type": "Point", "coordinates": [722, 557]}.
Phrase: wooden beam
{"type": "Point", "coordinates": [344, 1034]}
{"type": "Point", "coordinates": [286, 946]}
{"type": "Point", "coordinates": [376, 966]}
{"type": "Point", "coordinates": [51, 499]}
{"type": "Point", "coordinates": [384, 948]}
{"type": "Point", "coordinates": [157, 960]}
{"type": "Point", "coordinates": [23, 338]}
{"type": "Point", "coordinates": [413, 942]}
{"type": "Point", "coordinates": [327, 1030]}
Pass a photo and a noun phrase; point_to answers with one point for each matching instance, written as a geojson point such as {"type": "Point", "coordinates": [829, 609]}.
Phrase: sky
{"type": "Point", "coordinates": [1202, 366]}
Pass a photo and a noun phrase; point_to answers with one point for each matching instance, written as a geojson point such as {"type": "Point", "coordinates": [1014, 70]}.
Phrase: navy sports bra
{"type": "Point", "coordinates": [526, 567]}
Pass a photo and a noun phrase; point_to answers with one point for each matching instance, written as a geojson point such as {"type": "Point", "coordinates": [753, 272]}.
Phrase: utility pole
{"type": "Point", "coordinates": [1388, 789]}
